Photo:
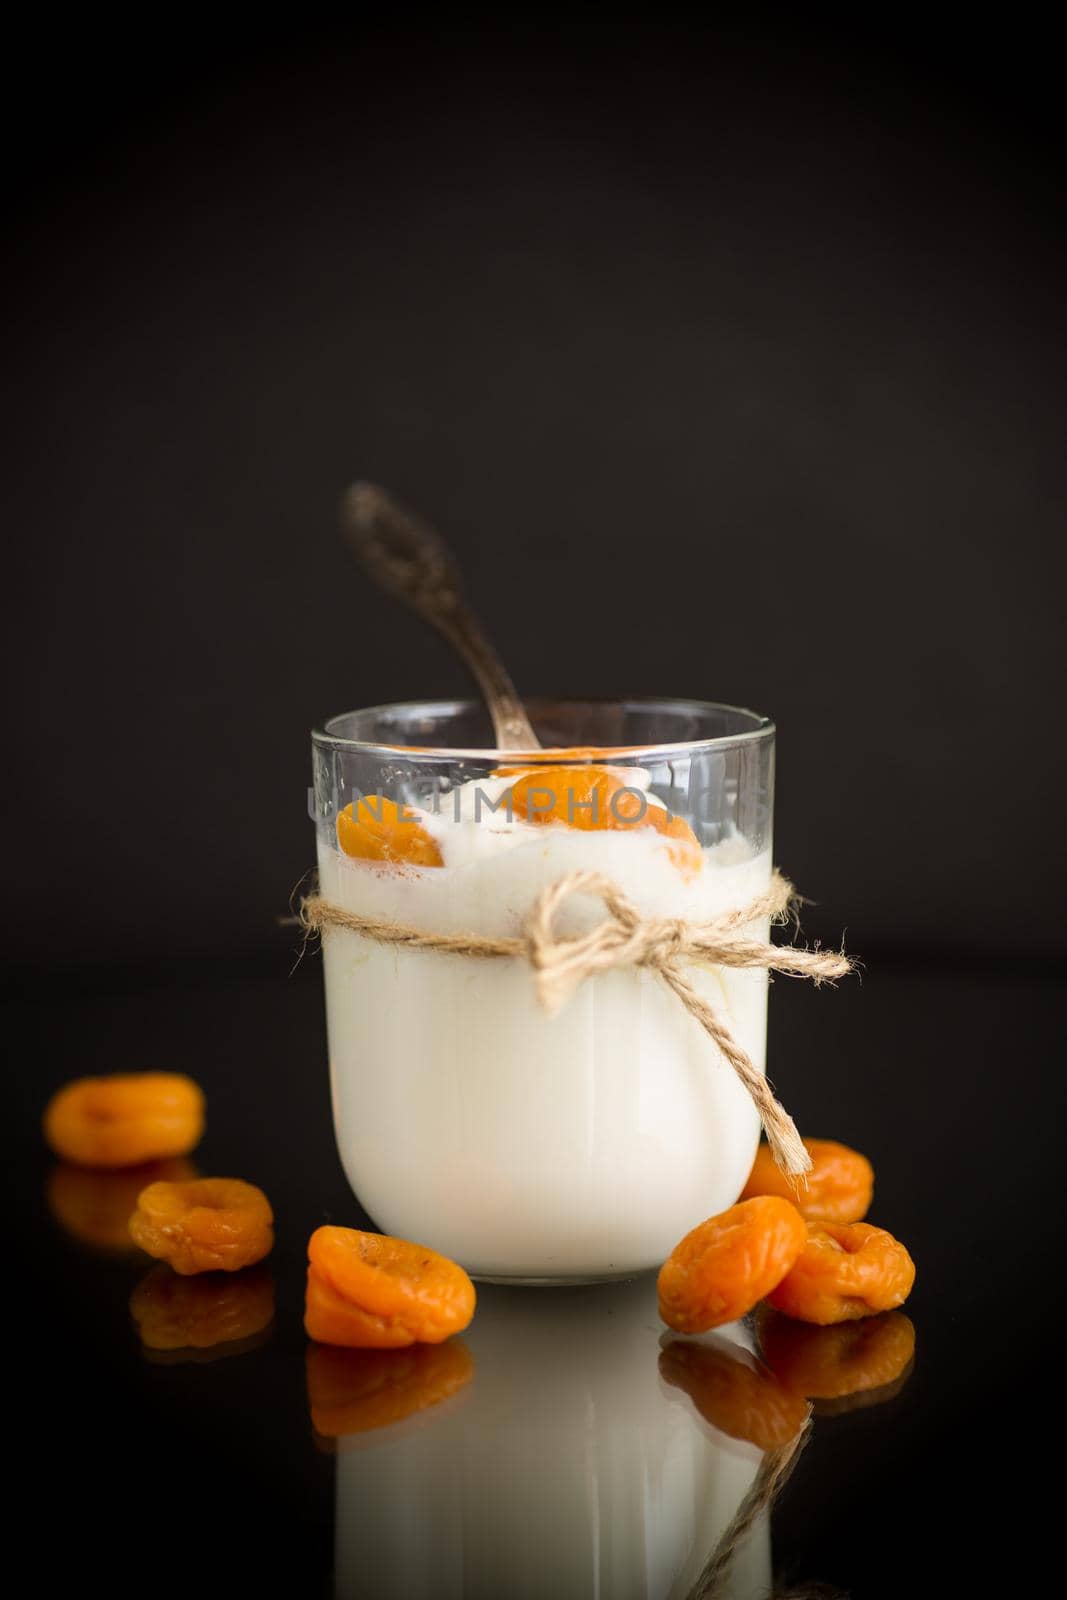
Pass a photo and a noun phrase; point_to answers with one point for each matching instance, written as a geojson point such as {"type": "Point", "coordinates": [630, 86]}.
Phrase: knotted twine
{"type": "Point", "coordinates": [626, 939]}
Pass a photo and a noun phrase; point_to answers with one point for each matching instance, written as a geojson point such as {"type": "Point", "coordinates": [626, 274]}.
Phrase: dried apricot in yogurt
{"type": "Point", "coordinates": [684, 847]}
{"type": "Point", "coordinates": [582, 797]}
{"type": "Point", "coordinates": [734, 1393]}
{"type": "Point", "coordinates": [846, 1270]}
{"type": "Point", "coordinates": [95, 1205]}
{"type": "Point", "coordinates": [376, 829]}
{"type": "Point", "coordinates": [725, 1266]}
{"type": "Point", "coordinates": [208, 1225]}
{"type": "Point", "coordinates": [125, 1119]}
{"type": "Point", "coordinates": [174, 1313]}
{"type": "Point", "coordinates": [835, 1362]}
{"type": "Point", "coordinates": [371, 1290]}
{"type": "Point", "coordinates": [352, 1391]}
{"type": "Point", "coordinates": [594, 798]}
{"type": "Point", "coordinates": [839, 1187]}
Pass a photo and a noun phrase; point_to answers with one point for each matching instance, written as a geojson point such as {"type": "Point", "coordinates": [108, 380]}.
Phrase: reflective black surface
{"type": "Point", "coordinates": [563, 1455]}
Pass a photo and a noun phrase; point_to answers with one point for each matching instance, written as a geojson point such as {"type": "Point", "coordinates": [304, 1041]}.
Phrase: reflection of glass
{"type": "Point", "coordinates": [202, 1317]}
{"type": "Point", "coordinates": [95, 1206]}
{"type": "Point", "coordinates": [529, 1147]}
{"type": "Point", "coordinates": [566, 1468]}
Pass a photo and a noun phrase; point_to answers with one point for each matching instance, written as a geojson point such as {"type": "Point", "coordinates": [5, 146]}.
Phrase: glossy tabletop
{"type": "Point", "coordinates": [559, 1449]}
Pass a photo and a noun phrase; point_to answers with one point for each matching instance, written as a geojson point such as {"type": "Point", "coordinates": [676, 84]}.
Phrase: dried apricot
{"type": "Point", "coordinates": [722, 1268]}
{"type": "Point", "coordinates": [208, 1225]}
{"type": "Point", "coordinates": [833, 1362]}
{"type": "Point", "coordinates": [376, 829]}
{"type": "Point", "coordinates": [352, 1391]}
{"type": "Point", "coordinates": [175, 1313]}
{"type": "Point", "coordinates": [599, 797]}
{"type": "Point", "coordinates": [95, 1206]}
{"type": "Point", "coordinates": [369, 1289]}
{"type": "Point", "coordinates": [839, 1187]}
{"type": "Point", "coordinates": [332, 1319]}
{"type": "Point", "coordinates": [125, 1119]}
{"type": "Point", "coordinates": [733, 1392]}
{"type": "Point", "coordinates": [684, 849]}
{"type": "Point", "coordinates": [581, 797]}
{"type": "Point", "coordinates": [845, 1270]}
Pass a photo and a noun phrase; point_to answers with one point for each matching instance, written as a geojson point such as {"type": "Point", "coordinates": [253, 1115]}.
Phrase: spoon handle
{"type": "Point", "coordinates": [410, 560]}
{"type": "Point", "coordinates": [511, 725]}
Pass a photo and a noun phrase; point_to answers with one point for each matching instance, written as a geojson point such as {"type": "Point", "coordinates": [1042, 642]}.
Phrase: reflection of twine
{"type": "Point", "coordinates": [775, 1469]}
{"type": "Point", "coordinates": [625, 939]}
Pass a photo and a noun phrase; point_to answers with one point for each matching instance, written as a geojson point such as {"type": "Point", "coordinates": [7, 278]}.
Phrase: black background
{"type": "Point", "coordinates": [728, 359]}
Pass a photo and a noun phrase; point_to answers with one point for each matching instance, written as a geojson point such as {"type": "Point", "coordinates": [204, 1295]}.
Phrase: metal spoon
{"type": "Point", "coordinates": [407, 557]}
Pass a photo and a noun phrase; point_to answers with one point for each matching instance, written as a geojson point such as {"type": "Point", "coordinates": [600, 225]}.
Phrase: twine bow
{"type": "Point", "coordinates": [665, 945]}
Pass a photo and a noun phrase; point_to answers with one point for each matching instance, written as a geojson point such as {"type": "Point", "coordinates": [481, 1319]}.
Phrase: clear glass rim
{"type": "Point", "coordinates": [762, 728]}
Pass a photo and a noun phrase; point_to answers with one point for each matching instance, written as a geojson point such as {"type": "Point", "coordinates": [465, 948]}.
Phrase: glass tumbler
{"type": "Point", "coordinates": [535, 1147]}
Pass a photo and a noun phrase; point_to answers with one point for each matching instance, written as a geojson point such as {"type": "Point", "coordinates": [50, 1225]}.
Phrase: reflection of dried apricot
{"type": "Point", "coordinates": [597, 797]}
{"type": "Point", "coordinates": [845, 1270]}
{"type": "Point", "coordinates": [725, 1265]}
{"type": "Point", "coordinates": [126, 1119]}
{"type": "Point", "coordinates": [733, 1393]}
{"type": "Point", "coordinates": [208, 1225]}
{"type": "Point", "coordinates": [839, 1187]}
{"type": "Point", "coordinates": [95, 1206]}
{"type": "Point", "coordinates": [376, 829]}
{"type": "Point", "coordinates": [372, 1290]}
{"type": "Point", "coordinates": [174, 1313]}
{"type": "Point", "coordinates": [862, 1399]}
{"type": "Point", "coordinates": [829, 1363]}
{"type": "Point", "coordinates": [351, 1391]}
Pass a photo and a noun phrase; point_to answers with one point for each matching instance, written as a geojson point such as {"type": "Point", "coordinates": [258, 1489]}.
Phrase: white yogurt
{"type": "Point", "coordinates": [582, 1145]}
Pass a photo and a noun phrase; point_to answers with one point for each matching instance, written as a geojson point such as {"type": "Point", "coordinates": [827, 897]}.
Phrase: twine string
{"type": "Point", "coordinates": [623, 938]}
{"type": "Point", "coordinates": [775, 1469]}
